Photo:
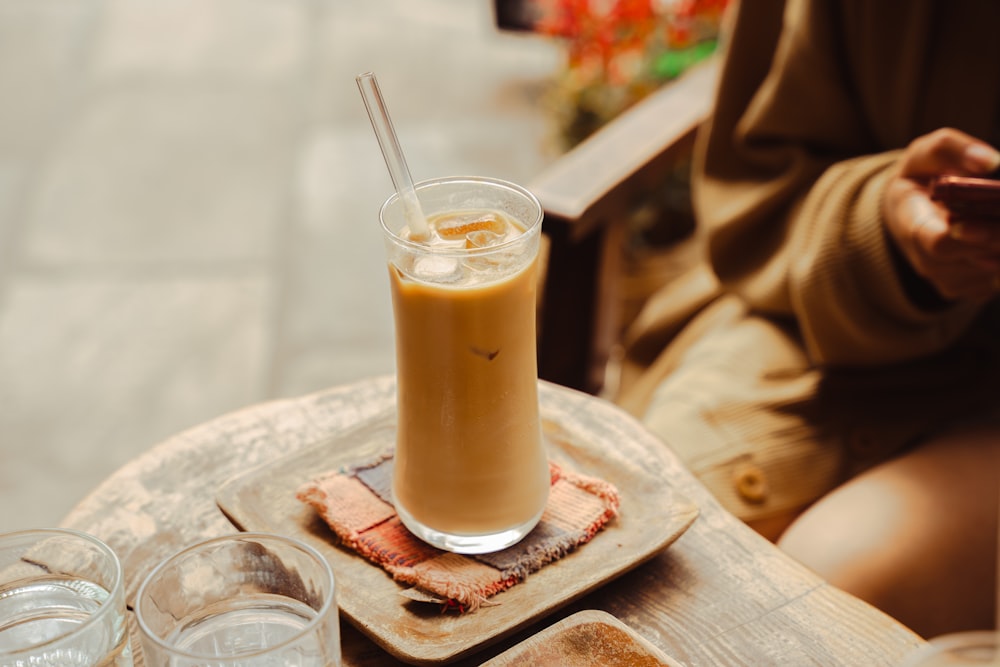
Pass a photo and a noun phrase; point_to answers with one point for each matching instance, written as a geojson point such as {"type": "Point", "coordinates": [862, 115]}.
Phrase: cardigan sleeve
{"type": "Point", "coordinates": [789, 177]}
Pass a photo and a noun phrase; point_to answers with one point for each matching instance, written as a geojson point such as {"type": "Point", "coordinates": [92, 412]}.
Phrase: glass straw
{"type": "Point", "coordinates": [393, 154]}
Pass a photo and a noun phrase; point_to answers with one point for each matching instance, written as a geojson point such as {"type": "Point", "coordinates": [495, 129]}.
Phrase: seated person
{"type": "Point", "coordinates": [838, 384]}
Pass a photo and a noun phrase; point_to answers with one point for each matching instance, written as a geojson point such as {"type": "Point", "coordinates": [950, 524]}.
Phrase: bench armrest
{"type": "Point", "coordinates": [586, 194]}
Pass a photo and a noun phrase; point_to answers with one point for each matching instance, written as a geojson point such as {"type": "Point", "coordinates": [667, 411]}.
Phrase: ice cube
{"type": "Point", "coordinates": [458, 226]}
{"type": "Point", "coordinates": [436, 269]}
{"type": "Point", "coordinates": [482, 238]}
{"type": "Point", "coordinates": [498, 260]}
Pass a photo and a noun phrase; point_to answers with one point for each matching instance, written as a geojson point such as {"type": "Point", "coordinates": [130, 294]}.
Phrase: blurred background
{"type": "Point", "coordinates": [188, 206]}
{"type": "Point", "coordinates": [189, 192]}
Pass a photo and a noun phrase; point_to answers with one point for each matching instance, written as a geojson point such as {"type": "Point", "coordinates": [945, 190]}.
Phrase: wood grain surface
{"type": "Point", "coordinates": [652, 516]}
{"type": "Point", "coordinates": [720, 595]}
{"type": "Point", "coordinates": [589, 638]}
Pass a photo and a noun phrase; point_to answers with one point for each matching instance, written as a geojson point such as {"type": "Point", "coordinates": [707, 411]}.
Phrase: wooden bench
{"type": "Point", "coordinates": [588, 195]}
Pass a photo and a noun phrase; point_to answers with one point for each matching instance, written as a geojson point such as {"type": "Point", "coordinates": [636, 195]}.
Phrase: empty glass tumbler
{"type": "Point", "coordinates": [62, 601]}
{"type": "Point", "coordinates": [245, 600]}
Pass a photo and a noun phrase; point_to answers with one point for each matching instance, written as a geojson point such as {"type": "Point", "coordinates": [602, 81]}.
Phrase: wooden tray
{"type": "Point", "coordinates": [589, 638]}
{"type": "Point", "coordinates": [652, 516]}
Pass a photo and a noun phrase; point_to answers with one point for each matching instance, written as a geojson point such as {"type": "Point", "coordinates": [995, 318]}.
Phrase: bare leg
{"type": "Point", "coordinates": [916, 536]}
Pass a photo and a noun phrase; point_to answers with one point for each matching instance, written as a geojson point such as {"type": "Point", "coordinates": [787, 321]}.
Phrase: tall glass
{"type": "Point", "coordinates": [470, 468]}
{"type": "Point", "coordinates": [62, 601]}
{"type": "Point", "coordinates": [246, 600]}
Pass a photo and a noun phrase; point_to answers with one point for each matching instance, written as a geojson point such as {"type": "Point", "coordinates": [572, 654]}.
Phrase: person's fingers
{"type": "Point", "coordinates": [956, 269]}
{"type": "Point", "coordinates": [983, 236]}
{"type": "Point", "coordinates": [925, 224]}
{"type": "Point", "coordinates": [980, 158]}
{"type": "Point", "coordinates": [959, 258]}
{"type": "Point", "coordinates": [948, 151]}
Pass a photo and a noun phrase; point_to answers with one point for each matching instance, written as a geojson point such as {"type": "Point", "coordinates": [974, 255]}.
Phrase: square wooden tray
{"type": "Point", "coordinates": [652, 516]}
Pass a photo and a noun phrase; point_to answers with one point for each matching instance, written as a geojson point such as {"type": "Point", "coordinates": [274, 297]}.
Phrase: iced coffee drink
{"type": "Point", "coordinates": [470, 470]}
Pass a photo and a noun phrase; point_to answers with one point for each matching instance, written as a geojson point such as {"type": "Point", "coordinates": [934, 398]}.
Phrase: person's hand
{"type": "Point", "coordinates": [960, 260]}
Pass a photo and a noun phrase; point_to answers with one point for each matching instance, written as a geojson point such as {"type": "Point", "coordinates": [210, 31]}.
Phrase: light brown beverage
{"type": "Point", "coordinates": [471, 472]}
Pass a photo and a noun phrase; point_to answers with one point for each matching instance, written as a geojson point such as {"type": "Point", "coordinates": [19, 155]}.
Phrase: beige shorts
{"type": "Point", "coordinates": [768, 433]}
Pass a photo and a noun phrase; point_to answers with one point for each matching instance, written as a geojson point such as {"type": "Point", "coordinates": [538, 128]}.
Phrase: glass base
{"type": "Point", "coordinates": [961, 648]}
{"type": "Point", "coordinates": [465, 543]}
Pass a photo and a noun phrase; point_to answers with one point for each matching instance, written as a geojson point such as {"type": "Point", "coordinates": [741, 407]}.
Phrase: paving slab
{"type": "Point", "coordinates": [97, 369]}
{"type": "Point", "coordinates": [42, 47]}
{"type": "Point", "coordinates": [251, 40]}
{"type": "Point", "coordinates": [164, 174]}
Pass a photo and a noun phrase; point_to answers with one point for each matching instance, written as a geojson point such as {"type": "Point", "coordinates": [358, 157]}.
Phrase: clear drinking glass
{"type": "Point", "coordinates": [960, 649]}
{"type": "Point", "coordinates": [62, 601]}
{"type": "Point", "coordinates": [245, 600]}
{"type": "Point", "coordinates": [470, 469]}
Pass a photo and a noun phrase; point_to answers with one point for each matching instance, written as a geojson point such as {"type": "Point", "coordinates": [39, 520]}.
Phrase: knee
{"type": "Point", "coordinates": [851, 539]}
{"type": "Point", "coordinates": [899, 552]}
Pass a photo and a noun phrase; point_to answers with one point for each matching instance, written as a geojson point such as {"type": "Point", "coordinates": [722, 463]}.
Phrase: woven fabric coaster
{"type": "Point", "coordinates": [356, 503]}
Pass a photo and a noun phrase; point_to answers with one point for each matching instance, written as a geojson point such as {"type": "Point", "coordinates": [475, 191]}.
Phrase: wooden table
{"type": "Point", "coordinates": [719, 595]}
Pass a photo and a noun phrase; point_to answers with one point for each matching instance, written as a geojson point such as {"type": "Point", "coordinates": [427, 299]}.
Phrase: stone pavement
{"type": "Point", "coordinates": [188, 206]}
